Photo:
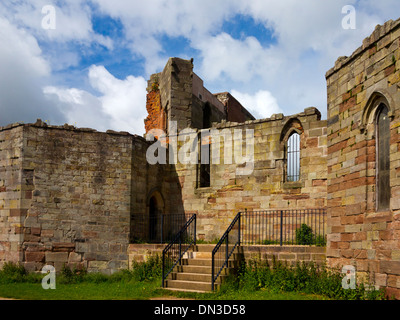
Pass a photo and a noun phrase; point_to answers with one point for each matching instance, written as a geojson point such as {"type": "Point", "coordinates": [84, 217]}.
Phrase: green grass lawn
{"type": "Point", "coordinates": [82, 291]}
{"type": "Point", "coordinates": [255, 281]}
{"type": "Point", "coordinates": [133, 291]}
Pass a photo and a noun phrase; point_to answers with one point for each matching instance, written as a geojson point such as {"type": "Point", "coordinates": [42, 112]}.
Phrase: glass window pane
{"type": "Point", "coordinates": [383, 157]}
{"type": "Point", "coordinates": [204, 178]}
{"type": "Point", "coordinates": [293, 157]}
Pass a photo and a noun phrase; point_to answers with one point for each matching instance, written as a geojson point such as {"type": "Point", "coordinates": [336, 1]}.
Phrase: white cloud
{"type": "Point", "coordinates": [80, 108]}
{"type": "Point", "coordinates": [285, 75]}
{"type": "Point", "coordinates": [309, 38]}
{"type": "Point", "coordinates": [261, 105]}
{"type": "Point", "coordinates": [19, 45]}
{"type": "Point", "coordinates": [144, 24]}
{"type": "Point", "coordinates": [120, 105]}
{"type": "Point", "coordinates": [123, 100]}
{"type": "Point", "coordinates": [22, 73]}
{"type": "Point", "coordinates": [239, 60]}
{"type": "Point", "coordinates": [72, 20]}
{"type": "Point", "coordinates": [187, 18]}
{"type": "Point", "coordinates": [71, 27]}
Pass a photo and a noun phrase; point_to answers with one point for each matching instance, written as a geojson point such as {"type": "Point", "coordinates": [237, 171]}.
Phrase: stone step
{"type": "Point", "coordinates": [194, 273]}
{"type": "Point", "coordinates": [205, 255]}
{"type": "Point", "coordinates": [190, 285]}
{"type": "Point", "coordinates": [201, 255]}
{"type": "Point", "coordinates": [208, 262]}
{"type": "Point", "coordinates": [207, 248]}
{"type": "Point", "coordinates": [204, 248]}
{"type": "Point", "coordinates": [186, 290]}
{"type": "Point", "coordinates": [200, 277]}
{"type": "Point", "coordinates": [189, 268]}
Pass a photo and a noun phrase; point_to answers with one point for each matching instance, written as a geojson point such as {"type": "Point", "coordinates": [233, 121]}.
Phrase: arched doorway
{"type": "Point", "coordinates": [155, 209]}
{"type": "Point", "coordinates": [153, 217]}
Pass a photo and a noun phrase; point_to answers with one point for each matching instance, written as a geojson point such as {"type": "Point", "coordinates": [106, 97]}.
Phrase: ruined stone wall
{"type": "Point", "coordinates": [265, 187]}
{"type": "Point", "coordinates": [79, 209]}
{"type": "Point", "coordinates": [185, 100]}
{"type": "Point", "coordinates": [358, 234]}
{"type": "Point", "coordinates": [235, 111]}
{"type": "Point", "coordinates": [12, 193]}
{"type": "Point", "coordinates": [183, 96]}
{"type": "Point", "coordinates": [69, 196]}
{"type": "Point", "coordinates": [157, 116]}
{"type": "Point", "coordinates": [285, 254]}
{"type": "Point", "coordinates": [151, 180]}
{"type": "Point", "coordinates": [66, 196]}
{"type": "Point", "coordinates": [176, 81]}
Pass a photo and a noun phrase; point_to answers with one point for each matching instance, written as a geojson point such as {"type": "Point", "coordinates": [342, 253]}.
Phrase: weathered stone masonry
{"type": "Point", "coordinates": [78, 196]}
{"type": "Point", "coordinates": [358, 85]}
{"type": "Point", "coordinates": [265, 187]}
{"type": "Point", "coordinates": [66, 196]}
{"type": "Point", "coordinates": [11, 194]}
{"type": "Point", "coordinates": [74, 195]}
{"type": "Point", "coordinates": [185, 100]}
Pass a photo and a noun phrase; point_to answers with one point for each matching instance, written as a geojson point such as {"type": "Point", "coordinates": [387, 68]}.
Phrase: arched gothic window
{"type": "Point", "coordinates": [293, 157]}
{"type": "Point", "coordinates": [383, 157]}
{"type": "Point", "coordinates": [204, 167]}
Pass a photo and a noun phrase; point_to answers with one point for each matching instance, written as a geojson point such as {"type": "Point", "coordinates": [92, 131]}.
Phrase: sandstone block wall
{"type": "Point", "coordinates": [265, 187]}
{"type": "Point", "coordinates": [157, 116]}
{"type": "Point", "coordinates": [158, 181]}
{"type": "Point", "coordinates": [67, 194]}
{"type": "Point", "coordinates": [235, 112]}
{"type": "Point", "coordinates": [78, 208]}
{"type": "Point", "coordinates": [289, 254]}
{"type": "Point", "coordinates": [12, 194]}
{"type": "Point", "coordinates": [184, 97]}
{"type": "Point", "coordinates": [358, 234]}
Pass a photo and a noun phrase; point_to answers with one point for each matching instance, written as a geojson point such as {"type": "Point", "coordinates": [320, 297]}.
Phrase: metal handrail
{"type": "Point", "coordinates": [275, 226]}
{"type": "Point", "coordinates": [228, 253]}
{"type": "Point", "coordinates": [253, 228]}
{"type": "Point", "coordinates": [157, 228]}
{"type": "Point", "coordinates": [178, 253]}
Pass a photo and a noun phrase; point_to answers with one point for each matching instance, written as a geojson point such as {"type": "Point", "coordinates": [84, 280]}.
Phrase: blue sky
{"type": "Point", "coordinates": [91, 69]}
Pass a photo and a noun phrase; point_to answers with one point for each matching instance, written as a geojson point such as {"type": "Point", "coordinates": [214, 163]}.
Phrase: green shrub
{"type": "Point", "coordinates": [320, 240]}
{"type": "Point", "coordinates": [308, 278]}
{"type": "Point", "coordinates": [13, 269]}
{"type": "Point", "coordinates": [304, 235]}
{"type": "Point", "coordinates": [142, 271]}
{"type": "Point", "coordinates": [148, 270]}
{"type": "Point", "coordinates": [74, 275]}
{"type": "Point", "coordinates": [12, 272]}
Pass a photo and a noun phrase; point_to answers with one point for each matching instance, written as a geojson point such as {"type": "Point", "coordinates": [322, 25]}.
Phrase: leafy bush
{"type": "Point", "coordinates": [148, 270]}
{"type": "Point", "coordinates": [15, 272]}
{"type": "Point", "coordinates": [308, 278]}
{"type": "Point", "coordinates": [12, 272]}
{"type": "Point", "coordinates": [304, 235]}
{"type": "Point", "coordinates": [74, 275]}
{"type": "Point", "coordinates": [320, 240]}
{"type": "Point", "coordinates": [142, 271]}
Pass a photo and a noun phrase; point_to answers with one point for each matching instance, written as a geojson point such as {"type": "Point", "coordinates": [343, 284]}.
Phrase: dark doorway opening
{"type": "Point", "coordinates": [153, 213]}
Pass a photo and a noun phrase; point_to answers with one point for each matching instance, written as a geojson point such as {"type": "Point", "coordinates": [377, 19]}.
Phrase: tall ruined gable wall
{"type": "Point", "coordinates": [358, 233]}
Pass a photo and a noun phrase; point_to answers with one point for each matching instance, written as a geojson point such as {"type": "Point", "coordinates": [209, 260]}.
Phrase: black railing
{"type": "Point", "coordinates": [266, 227]}
{"type": "Point", "coordinates": [174, 251]}
{"type": "Point", "coordinates": [224, 249]}
{"type": "Point", "coordinates": [157, 228]}
{"type": "Point", "coordinates": [284, 227]}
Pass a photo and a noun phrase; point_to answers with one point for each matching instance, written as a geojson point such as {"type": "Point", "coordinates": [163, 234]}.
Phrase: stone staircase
{"type": "Point", "coordinates": [194, 273]}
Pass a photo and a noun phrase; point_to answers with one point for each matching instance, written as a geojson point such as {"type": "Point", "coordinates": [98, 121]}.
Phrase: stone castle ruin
{"type": "Point", "coordinates": [81, 197]}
